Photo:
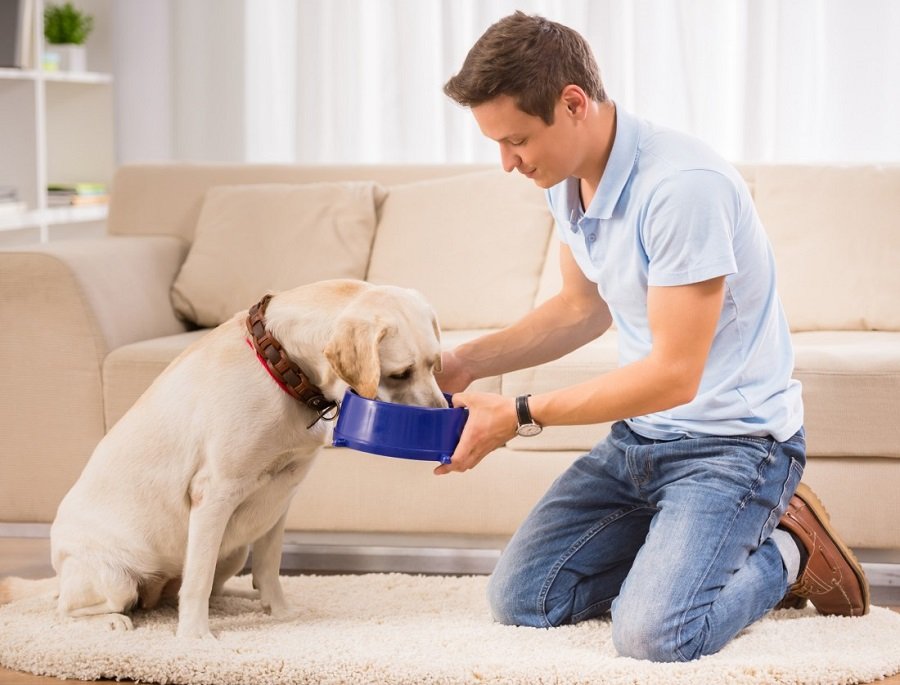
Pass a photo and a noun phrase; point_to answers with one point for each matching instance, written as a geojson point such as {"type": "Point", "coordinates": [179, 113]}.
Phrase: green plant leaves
{"type": "Point", "coordinates": [65, 24]}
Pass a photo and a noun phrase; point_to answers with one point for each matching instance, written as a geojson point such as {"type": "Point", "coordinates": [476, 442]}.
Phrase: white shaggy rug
{"type": "Point", "coordinates": [424, 629]}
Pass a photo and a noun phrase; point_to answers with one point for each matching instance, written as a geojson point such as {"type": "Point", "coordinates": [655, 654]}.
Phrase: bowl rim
{"type": "Point", "coordinates": [356, 397]}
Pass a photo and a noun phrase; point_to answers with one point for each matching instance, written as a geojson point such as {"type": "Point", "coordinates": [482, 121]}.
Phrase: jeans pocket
{"type": "Point", "coordinates": [795, 472]}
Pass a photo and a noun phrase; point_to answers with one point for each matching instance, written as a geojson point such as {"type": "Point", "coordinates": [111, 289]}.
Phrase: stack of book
{"type": "Point", "coordinates": [9, 201]}
{"type": "Point", "coordinates": [77, 195]}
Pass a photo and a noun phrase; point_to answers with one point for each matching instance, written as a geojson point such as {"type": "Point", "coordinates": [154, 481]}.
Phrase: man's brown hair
{"type": "Point", "coordinates": [530, 59]}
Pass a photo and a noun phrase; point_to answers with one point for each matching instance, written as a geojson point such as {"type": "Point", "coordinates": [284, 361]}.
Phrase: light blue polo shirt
{"type": "Point", "coordinates": [669, 211]}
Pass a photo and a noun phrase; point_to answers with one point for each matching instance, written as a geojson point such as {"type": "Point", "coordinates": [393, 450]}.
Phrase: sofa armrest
{"type": "Point", "coordinates": [123, 283]}
{"type": "Point", "coordinates": [63, 307]}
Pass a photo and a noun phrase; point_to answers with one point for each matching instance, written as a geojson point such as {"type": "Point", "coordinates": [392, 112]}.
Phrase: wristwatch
{"type": "Point", "coordinates": [527, 427]}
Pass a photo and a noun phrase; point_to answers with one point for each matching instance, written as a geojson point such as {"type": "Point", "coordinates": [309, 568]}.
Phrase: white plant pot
{"type": "Point", "coordinates": [68, 57]}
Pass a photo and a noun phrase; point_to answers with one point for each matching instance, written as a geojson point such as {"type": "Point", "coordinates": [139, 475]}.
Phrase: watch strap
{"type": "Point", "coordinates": [523, 411]}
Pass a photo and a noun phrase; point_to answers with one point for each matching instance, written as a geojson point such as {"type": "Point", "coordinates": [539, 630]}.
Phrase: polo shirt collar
{"type": "Point", "coordinates": [618, 168]}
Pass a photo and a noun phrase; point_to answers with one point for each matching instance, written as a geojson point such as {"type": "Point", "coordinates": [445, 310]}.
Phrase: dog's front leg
{"type": "Point", "coordinates": [266, 567]}
{"type": "Point", "coordinates": [209, 517]}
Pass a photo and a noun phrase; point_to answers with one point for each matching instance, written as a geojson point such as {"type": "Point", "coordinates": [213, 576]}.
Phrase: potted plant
{"type": "Point", "coordinates": [66, 29]}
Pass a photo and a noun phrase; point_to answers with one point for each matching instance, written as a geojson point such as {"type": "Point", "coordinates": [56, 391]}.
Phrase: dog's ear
{"type": "Point", "coordinates": [437, 334]}
{"type": "Point", "coordinates": [353, 354]}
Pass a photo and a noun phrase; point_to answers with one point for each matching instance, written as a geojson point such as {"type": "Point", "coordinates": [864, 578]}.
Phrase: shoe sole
{"type": "Point", "coordinates": [812, 501]}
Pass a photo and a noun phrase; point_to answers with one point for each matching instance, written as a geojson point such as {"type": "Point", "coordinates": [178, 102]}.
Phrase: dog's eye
{"type": "Point", "coordinates": [403, 375]}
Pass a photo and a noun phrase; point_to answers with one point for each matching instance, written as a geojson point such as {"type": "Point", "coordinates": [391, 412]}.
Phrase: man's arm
{"type": "Point", "coordinates": [574, 316]}
{"type": "Point", "coordinates": [682, 322]}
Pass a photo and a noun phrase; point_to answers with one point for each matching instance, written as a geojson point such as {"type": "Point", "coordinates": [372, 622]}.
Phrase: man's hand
{"type": "Point", "coordinates": [492, 421]}
{"type": "Point", "coordinates": [453, 376]}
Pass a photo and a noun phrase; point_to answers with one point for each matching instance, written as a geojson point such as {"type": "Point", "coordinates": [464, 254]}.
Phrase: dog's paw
{"type": "Point", "coordinates": [116, 622]}
{"type": "Point", "coordinates": [186, 632]}
{"type": "Point", "coordinates": [282, 611]}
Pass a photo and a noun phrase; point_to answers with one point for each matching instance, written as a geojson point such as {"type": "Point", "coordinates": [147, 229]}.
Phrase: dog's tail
{"type": "Point", "coordinates": [12, 588]}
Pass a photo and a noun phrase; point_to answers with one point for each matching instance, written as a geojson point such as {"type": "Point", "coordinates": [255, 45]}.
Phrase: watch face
{"type": "Point", "coordinates": [527, 430]}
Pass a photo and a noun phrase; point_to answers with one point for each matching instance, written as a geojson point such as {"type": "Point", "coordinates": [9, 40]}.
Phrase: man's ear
{"type": "Point", "coordinates": [352, 352]}
{"type": "Point", "coordinates": [575, 100]}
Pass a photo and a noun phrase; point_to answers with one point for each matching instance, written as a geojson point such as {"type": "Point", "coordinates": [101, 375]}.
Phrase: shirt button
{"type": "Point", "coordinates": [592, 237]}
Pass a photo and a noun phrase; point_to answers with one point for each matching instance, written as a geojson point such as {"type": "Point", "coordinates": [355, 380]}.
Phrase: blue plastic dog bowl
{"type": "Point", "coordinates": [399, 430]}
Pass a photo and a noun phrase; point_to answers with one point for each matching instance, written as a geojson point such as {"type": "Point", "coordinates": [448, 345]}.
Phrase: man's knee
{"type": "Point", "coordinates": [640, 637]}
{"type": "Point", "coordinates": [511, 604]}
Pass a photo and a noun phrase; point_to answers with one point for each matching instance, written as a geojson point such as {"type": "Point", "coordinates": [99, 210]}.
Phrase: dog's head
{"type": "Point", "coordinates": [386, 345]}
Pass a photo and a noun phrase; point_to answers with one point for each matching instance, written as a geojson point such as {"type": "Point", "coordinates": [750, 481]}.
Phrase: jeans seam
{"type": "Point", "coordinates": [751, 491]}
{"type": "Point", "coordinates": [589, 610]}
{"type": "Point", "coordinates": [783, 499]}
{"type": "Point", "coordinates": [634, 468]}
{"type": "Point", "coordinates": [570, 552]}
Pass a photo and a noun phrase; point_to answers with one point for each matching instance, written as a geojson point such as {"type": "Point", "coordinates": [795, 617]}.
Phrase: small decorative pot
{"type": "Point", "coordinates": [65, 57]}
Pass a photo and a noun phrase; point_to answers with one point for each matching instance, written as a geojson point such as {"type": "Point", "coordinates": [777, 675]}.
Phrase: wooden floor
{"type": "Point", "coordinates": [29, 558]}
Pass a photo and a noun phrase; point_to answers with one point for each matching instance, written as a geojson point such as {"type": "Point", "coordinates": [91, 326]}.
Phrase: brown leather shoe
{"type": "Point", "coordinates": [790, 601]}
{"type": "Point", "coordinates": [832, 579]}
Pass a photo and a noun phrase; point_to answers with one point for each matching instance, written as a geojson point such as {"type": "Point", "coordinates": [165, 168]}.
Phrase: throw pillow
{"type": "Point", "coordinates": [472, 244]}
{"type": "Point", "coordinates": [256, 238]}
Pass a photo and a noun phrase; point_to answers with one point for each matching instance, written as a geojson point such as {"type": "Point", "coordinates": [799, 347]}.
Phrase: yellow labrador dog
{"type": "Point", "coordinates": [206, 462]}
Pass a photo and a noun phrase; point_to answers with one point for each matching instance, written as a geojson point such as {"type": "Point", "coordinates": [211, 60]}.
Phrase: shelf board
{"type": "Point", "coordinates": [53, 216]}
{"type": "Point", "coordinates": [77, 77]}
{"type": "Point", "coordinates": [13, 222]}
{"type": "Point", "coordinates": [74, 215]}
{"type": "Point", "coordinates": [55, 76]}
{"type": "Point", "coordinates": [11, 74]}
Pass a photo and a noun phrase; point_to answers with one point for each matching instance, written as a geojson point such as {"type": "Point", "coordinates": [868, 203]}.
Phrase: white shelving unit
{"type": "Point", "coordinates": [57, 128]}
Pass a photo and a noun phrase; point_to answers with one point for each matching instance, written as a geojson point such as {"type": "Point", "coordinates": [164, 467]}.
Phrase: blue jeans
{"type": "Point", "coordinates": [672, 537]}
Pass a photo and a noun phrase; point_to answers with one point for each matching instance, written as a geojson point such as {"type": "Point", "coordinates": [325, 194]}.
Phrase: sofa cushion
{"type": "Point", "coordinates": [834, 233]}
{"type": "Point", "coordinates": [550, 282]}
{"type": "Point", "coordinates": [851, 382]}
{"type": "Point", "coordinates": [383, 495]}
{"type": "Point", "coordinates": [346, 490]}
{"type": "Point", "coordinates": [474, 245]}
{"type": "Point", "coordinates": [256, 238]}
{"type": "Point", "coordinates": [129, 370]}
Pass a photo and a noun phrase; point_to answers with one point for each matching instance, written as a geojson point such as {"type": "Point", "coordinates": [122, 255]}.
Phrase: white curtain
{"type": "Point", "coordinates": [356, 81]}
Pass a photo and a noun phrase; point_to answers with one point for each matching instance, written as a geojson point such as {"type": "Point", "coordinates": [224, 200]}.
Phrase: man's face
{"type": "Point", "coordinates": [545, 154]}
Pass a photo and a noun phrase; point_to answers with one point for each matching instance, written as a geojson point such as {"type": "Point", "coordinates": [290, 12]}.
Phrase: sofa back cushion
{"type": "Point", "coordinates": [474, 245]}
{"type": "Point", "coordinates": [836, 236]}
{"type": "Point", "coordinates": [166, 198]}
{"type": "Point", "coordinates": [259, 238]}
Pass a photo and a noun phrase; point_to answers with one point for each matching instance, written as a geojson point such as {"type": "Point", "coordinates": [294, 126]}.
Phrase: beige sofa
{"type": "Point", "coordinates": [86, 326]}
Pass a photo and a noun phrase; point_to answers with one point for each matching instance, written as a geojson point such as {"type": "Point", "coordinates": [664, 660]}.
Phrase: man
{"type": "Point", "coordinates": [670, 522]}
